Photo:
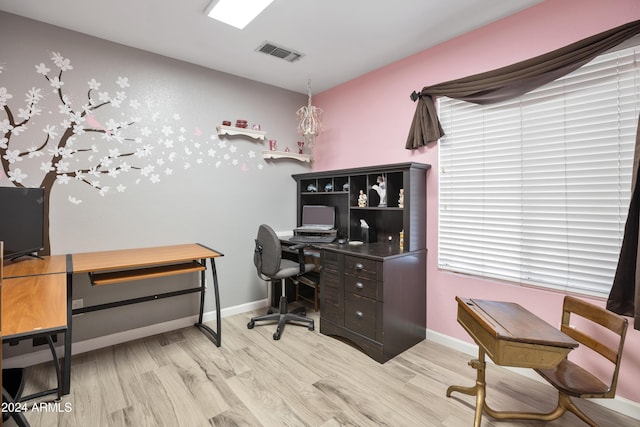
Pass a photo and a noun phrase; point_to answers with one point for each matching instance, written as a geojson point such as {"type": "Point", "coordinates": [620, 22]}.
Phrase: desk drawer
{"type": "Point", "coordinates": [361, 286]}
{"type": "Point", "coordinates": [360, 315]}
{"type": "Point", "coordinates": [330, 279]}
{"type": "Point", "coordinates": [361, 267]}
{"type": "Point", "coordinates": [332, 306]}
{"type": "Point", "coordinates": [331, 260]}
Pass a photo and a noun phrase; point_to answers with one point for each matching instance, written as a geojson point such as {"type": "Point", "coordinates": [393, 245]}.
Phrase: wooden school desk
{"type": "Point", "coordinates": [511, 336]}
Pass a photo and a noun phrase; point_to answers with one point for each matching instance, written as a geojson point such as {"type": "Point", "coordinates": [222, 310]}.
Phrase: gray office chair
{"type": "Point", "coordinates": [270, 266]}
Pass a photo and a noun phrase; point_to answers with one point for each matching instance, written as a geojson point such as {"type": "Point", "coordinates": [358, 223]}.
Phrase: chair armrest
{"type": "Point", "coordinates": [298, 246]}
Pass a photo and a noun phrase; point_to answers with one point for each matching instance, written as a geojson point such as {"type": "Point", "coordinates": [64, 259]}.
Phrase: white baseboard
{"type": "Point", "coordinates": [79, 347]}
{"type": "Point", "coordinates": [618, 404]}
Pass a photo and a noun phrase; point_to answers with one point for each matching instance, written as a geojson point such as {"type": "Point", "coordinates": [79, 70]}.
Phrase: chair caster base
{"type": "Point", "coordinates": [251, 324]}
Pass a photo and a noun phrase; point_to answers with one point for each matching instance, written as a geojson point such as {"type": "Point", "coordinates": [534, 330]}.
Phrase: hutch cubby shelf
{"type": "Point", "coordinates": [341, 188]}
{"type": "Point", "coordinates": [233, 131]}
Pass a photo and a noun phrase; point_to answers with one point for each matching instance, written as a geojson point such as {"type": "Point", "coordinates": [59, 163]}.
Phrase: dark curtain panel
{"type": "Point", "coordinates": [510, 81]}
{"type": "Point", "coordinates": [624, 297]}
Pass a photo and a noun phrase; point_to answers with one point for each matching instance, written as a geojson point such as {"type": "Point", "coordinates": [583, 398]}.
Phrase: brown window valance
{"type": "Point", "coordinates": [510, 81]}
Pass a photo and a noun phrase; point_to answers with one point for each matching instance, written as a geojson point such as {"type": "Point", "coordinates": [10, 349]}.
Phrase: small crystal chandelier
{"type": "Point", "coordinates": [309, 118]}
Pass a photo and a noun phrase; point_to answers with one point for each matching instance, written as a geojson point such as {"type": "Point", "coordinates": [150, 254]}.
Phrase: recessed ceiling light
{"type": "Point", "coordinates": [237, 13]}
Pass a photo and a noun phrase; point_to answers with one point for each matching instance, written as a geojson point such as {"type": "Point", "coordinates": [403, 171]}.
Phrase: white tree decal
{"type": "Point", "coordinates": [67, 154]}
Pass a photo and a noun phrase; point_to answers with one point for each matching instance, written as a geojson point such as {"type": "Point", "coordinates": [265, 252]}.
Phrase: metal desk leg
{"type": "Point", "coordinates": [18, 417]}
{"type": "Point", "coordinates": [214, 334]}
{"type": "Point", "coordinates": [56, 364]}
{"type": "Point", "coordinates": [66, 381]}
{"type": "Point", "coordinates": [479, 389]}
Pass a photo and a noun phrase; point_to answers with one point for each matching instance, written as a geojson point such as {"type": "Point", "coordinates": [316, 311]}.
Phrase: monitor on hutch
{"type": "Point", "coordinates": [21, 221]}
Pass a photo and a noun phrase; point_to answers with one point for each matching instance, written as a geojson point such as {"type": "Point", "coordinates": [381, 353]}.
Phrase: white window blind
{"type": "Point", "coordinates": [536, 190]}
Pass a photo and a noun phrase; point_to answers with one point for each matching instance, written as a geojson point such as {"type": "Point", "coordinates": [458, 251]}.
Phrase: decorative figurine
{"type": "Point", "coordinates": [362, 200]}
{"type": "Point", "coordinates": [300, 147]}
{"type": "Point", "coordinates": [328, 187]}
{"type": "Point", "coordinates": [401, 198]}
{"type": "Point", "coordinates": [381, 189]}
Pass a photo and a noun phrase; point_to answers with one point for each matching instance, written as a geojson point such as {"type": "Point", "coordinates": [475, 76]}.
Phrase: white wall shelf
{"type": "Point", "coordinates": [270, 154]}
{"type": "Point", "coordinates": [232, 130]}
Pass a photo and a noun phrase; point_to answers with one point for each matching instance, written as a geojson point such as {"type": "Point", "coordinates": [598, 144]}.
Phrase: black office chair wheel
{"type": "Point", "coordinates": [311, 328]}
{"type": "Point", "coordinates": [276, 335]}
{"type": "Point", "coordinates": [251, 324]}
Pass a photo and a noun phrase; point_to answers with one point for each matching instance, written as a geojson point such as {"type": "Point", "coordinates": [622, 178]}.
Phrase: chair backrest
{"type": "Point", "coordinates": [268, 252]}
{"type": "Point", "coordinates": [612, 351]}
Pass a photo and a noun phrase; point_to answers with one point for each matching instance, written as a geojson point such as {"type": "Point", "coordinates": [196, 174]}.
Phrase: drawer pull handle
{"type": "Point", "coordinates": [359, 266]}
{"type": "Point", "coordinates": [359, 314]}
{"type": "Point", "coordinates": [359, 285]}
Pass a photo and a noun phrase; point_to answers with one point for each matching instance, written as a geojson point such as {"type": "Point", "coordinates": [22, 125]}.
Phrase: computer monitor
{"type": "Point", "coordinates": [21, 220]}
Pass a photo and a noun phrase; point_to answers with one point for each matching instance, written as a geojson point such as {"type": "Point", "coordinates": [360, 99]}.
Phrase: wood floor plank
{"type": "Point", "coordinates": [181, 378]}
{"type": "Point", "coordinates": [205, 385]}
{"type": "Point", "coordinates": [87, 399]}
{"type": "Point", "coordinates": [110, 382]}
{"type": "Point", "coordinates": [187, 410]}
{"type": "Point", "coordinates": [263, 400]}
{"type": "Point", "coordinates": [294, 387]}
{"type": "Point", "coordinates": [238, 416]}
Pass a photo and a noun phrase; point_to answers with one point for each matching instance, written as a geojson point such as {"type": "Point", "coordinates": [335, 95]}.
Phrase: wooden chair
{"type": "Point", "coordinates": [572, 380]}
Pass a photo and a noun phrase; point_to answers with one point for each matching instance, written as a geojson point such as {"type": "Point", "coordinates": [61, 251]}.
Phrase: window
{"type": "Point", "coordinates": [536, 190]}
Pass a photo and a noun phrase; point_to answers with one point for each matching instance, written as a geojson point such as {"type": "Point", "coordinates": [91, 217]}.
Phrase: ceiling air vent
{"type": "Point", "coordinates": [279, 52]}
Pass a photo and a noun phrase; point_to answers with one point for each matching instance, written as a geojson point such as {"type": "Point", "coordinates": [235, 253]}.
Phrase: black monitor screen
{"type": "Point", "coordinates": [21, 220]}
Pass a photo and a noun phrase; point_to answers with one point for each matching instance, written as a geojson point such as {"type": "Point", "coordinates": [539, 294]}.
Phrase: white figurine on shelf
{"type": "Point", "coordinates": [381, 189]}
{"type": "Point", "coordinates": [401, 198]}
{"type": "Point", "coordinates": [362, 200]}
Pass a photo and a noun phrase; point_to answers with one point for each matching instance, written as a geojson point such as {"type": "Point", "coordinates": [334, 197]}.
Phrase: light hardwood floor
{"type": "Point", "coordinates": [304, 379]}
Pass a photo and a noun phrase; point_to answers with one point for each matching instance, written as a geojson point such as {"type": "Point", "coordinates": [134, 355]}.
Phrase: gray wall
{"type": "Point", "coordinates": [217, 192]}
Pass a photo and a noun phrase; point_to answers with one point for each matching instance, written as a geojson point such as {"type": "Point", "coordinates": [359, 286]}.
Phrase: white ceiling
{"type": "Point", "coordinates": [341, 39]}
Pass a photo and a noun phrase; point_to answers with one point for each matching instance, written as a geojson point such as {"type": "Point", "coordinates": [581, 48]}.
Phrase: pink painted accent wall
{"type": "Point", "coordinates": [366, 122]}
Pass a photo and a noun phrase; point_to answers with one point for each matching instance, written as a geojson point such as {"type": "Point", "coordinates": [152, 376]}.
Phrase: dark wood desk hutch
{"type": "Point", "coordinates": [374, 293]}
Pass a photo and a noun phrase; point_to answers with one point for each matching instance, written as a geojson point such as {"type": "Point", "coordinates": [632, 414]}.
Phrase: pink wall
{"type": "Point", "coordinates": [366, 122]}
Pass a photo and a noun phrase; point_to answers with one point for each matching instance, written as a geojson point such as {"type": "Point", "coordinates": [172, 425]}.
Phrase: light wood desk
{"type": "Point", "coordinates": [36, 266]}
{"type": "Point", "coordinates": [43, 276]}
{"type": "Point", "coordinates": [34, 304]}
{"type": "Point", "coordinates": [35, 307]}
{"type": "Point", "coordinates": [112, 267]}
{"type": "Point", "coordinates": [38, 293]}
{"type": "Point", "coordinates": [511, 336]}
